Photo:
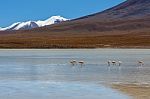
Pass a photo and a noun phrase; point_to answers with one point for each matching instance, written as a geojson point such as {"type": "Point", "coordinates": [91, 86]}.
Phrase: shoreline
{"type": "Point", "coordinates": [74, 48]}
{"type": "Point", "coordinates": [137, 91]}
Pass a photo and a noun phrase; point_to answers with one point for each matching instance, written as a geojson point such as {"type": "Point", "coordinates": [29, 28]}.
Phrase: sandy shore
{"type": "Point", "coordinates": [134, 90]}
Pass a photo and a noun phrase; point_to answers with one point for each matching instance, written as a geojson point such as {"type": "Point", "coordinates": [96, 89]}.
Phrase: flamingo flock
{"type": "Point", "coordinates": [110, 62]}
{"type": "Point", "coordinates": [74, 62]}
{"type": "Point", "coordinates": [141, 63]}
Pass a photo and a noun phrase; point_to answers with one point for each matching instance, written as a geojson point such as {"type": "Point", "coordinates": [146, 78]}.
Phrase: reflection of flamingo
{"type": "Point", "coordinates": [119, 62]}
{"type": "Point", "coordinates": [141, 63]}
{"type": "Point", "coordinates": [109, 62]}
{"type": "Point", "coordinates": [81, 62]}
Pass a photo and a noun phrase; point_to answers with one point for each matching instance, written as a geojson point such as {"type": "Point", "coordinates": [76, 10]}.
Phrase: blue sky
{"type": "Point", "coordinates": [23, 10]}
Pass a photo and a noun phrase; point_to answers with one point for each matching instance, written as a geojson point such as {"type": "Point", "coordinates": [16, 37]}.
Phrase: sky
{"type": "Point", "coordinates": [12, 11]}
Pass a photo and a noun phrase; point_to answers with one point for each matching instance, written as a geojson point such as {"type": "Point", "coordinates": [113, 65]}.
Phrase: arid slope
{"type": "Point", "coordinates": [125, 25]}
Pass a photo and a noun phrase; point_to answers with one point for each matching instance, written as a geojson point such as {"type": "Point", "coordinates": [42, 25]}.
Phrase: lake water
{"type": "Point", "coordinates": [43, 74]}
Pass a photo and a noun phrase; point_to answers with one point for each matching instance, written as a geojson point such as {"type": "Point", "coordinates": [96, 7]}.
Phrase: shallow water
{"type": "Point", "coordinates": [56, 90]}
{"type": "Point", "coordinates": [41, 74]}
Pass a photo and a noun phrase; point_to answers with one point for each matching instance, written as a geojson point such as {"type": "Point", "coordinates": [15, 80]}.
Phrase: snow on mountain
{"type": "Point", "coordinates": [34, 24]}
{"type": "Point", "coordinates": [11, 27]}
{"type": "Point", "coordinates": [21, 26]}
{"type": "Point", "coordinates": [52, 20]}
{"type": "Point", "coordinates": [26, 25]}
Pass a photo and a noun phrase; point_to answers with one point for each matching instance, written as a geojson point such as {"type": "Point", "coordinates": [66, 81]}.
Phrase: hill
{"type": "Point", "coordinates": [126, 25]}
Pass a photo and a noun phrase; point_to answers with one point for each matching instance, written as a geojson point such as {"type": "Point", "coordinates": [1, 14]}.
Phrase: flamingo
{"type": "Point", "coordinates": [73, 62]}
{"type": "Point", "coordinates": [81, 62]}
{"type": "Point", "coordinates": [109, 62]}
{"type": "Point", "coordinates": [141, 63]}
{"type": "Point", "coordinates": [120, 62]}
{"type": "Point", "coordinates": [114, 62]}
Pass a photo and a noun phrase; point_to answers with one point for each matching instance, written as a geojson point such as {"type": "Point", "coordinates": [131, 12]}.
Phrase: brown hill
{"type": "Point", "coordinates": [125, 25]}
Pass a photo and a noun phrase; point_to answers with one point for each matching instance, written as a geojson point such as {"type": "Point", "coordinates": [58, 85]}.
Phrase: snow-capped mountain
{"type": "Point", "coordinates": [21, 26]}
{"type": "Point", "coordinates": [52, 20]}
{"type": "Point", "coordinates": [34, 24]}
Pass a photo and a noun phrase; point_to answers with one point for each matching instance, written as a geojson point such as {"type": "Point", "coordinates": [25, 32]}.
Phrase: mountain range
{"type": "Point", "coordinates": [126, 25]}
{"type": "Point", "coordinates": [34, 24]}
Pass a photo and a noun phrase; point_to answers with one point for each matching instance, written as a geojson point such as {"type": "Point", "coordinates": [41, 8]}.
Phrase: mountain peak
{"type": "Point", "coordinates": [57, 17]}
{"type": "Point", "coordinates": [51, 20]}
{"type": "Point", "coordinates": [26, 25]}
{"type": "Point", "coordinates": [54, 19]}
